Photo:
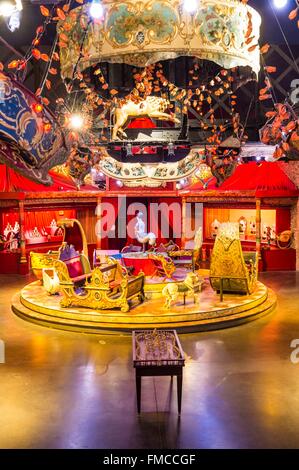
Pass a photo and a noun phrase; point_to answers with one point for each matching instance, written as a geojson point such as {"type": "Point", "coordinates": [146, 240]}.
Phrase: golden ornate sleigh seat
{"type": "Point", "coordinates": [102, 289]}
{"type": "Point", "coordinates": [73, 234]}
{"type": "Point", "coordinates": [229, 272]}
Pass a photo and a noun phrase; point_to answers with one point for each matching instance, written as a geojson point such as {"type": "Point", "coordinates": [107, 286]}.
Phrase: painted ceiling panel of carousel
{"type": "Point", "coordinates": [144, 92]}
{"type": "Point", "coordinates": [147, 31]}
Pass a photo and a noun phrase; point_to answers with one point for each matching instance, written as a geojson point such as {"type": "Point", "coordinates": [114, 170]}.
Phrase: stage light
{"type": "Point", "coordinates": [258, 159]}
{"type": "Point", "coordinates": [96, 10]}
{"type": "Point", "coordinates": [8, 8]}
{"type": "Point", "coordinates": [280, 3]}
{"type": "Point", "coordinates": [129, 150]}
{"type": "Point", "coordinates": [190, 6]}
{"type": "Point", "coordinates": [170, 149]}
{"type": "Point", "coordinates": [76, 121]}
{"type": "Point", "coordinates": [119, 183]}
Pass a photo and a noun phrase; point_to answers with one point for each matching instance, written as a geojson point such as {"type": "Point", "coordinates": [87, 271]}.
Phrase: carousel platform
{"type": "Point", "coordinates": [33, 304]}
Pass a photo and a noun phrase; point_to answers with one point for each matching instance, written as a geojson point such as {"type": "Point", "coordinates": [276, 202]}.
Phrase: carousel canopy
{"type": "Point", "coordinates": [148, 31]}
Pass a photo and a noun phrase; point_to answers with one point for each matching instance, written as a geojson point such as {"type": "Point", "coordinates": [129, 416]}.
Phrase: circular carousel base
{"type": "Point", "coordinates": [35, 305]}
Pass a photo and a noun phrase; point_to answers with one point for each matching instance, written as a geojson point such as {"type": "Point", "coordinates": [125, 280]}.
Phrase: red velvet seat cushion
{"type": "Point", "coordinates": [74, 267]}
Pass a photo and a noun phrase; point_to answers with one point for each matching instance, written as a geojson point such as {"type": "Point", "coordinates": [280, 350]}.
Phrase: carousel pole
{"type": "Point", "coordinates": [99, 228]}
{"type": "Point", "coordinates": [184, 213]}
{"type": "Point", "coordinates": [258, 219]}
{"type": "Point", "coordinates": [23, 258]}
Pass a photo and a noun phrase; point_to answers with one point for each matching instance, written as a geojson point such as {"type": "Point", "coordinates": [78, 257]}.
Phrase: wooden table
{"type": "Point", "coordinates": [158, 353]}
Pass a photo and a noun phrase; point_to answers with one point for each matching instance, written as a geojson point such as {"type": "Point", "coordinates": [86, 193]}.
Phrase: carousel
{"type": "Point", "coordinates": [125, 129]}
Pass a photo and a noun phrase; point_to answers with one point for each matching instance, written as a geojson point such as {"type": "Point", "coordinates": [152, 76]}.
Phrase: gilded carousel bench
{"type": "Point", "coordinates": [97, 292]}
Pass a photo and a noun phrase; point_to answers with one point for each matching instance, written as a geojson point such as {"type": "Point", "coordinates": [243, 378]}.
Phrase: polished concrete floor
{"type": "Point", "coordinates": [66, 390]}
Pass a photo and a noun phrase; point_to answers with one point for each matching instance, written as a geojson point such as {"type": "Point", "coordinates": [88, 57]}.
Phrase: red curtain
{"type": "Point", "coordinates": [39, 219]}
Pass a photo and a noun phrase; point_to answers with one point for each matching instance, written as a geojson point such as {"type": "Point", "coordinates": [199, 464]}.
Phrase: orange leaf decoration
{"type": "Point", "coordinates": [53, 71]}
{"type": "Point", "coordinates": [60, 14]}
{"type": "Point", "coordinates": [293, 14]}
{"type": "Point", "coordinates": [45, 57]}
{"type": "Point", "coordinates": [270, 69]}
{"type": "Point", "coordinates": [291, 126]}
{"type": "Point", "coordinates": [264, 97]}
{"type": "Point", "coordinates": [105, 86]}
{"type": "Point", "coordinates": [13, 64]}
{"type": "Point", "coordinates": [48, 84]}
{"type": "Point", "coordinates": [64, 37]}
{"type": "Point", "coordinates": [265, 48]}
{"type": "Point", "coordinates": [270, 114]}
{"type": "Point", "coordinates": [38, 92]}
{"type": "Point", "coordinates": [252, 48]}
{"type": "Point", "coordinates": [113, 92]}
{"type": "Point", "coordinates": [36, 54]}
{"type": "Point", "coordinates": [44, 11]}
{"type": "Point", "coordinates": [1, 66]}
{"type": "Point", "coordinates": [45, 101]}
{"type": "Point", "coordinates": [56, 56]}
{"type": "Point", "coordinates": [39, 29]}
{"type": "Point", "coordinates": [66, 8]}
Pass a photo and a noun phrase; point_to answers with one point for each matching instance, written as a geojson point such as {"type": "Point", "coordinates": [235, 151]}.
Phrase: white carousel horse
{"type": "Point", "coordinates": [141, 234]}
{"type": "Point", "coordinates": [151, 106]}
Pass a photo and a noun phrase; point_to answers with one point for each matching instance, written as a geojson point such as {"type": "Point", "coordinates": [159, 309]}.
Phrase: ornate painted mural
{"type": "Point", "coordinates": [31, 141]}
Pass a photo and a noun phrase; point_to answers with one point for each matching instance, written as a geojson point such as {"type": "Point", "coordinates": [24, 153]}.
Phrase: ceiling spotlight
{"type": "Point", "coordinates": [96, 10]}
{"type": "Point", "coordinates": [190, 6]}
{"type": "Point", "coordinates": [119, 183]}
{"type": "Point", "coordinates": [76, 121]}
{"type": "Point", "coordinates": [280, 3]}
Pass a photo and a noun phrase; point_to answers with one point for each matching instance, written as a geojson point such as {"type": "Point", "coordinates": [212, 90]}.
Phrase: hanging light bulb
{"type": "Point", "coordinates": [76, 121]}
{"type": "Point", "coordinates": [96, 10]}
{"type": "Point", "coordinates": [280, 3]}
{"type": "Point", "coordinates": [190, 6]}
{"type": "Point", "coordinates": [8, 7]}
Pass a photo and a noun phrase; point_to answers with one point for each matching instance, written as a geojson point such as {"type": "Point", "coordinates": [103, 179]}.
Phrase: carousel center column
{"type": "Point", "coordinates": [99, 223]}
{"type": "Point", "coordinates": [184, 215]}
{"type": "Point", "coordinates": [297, 236]}
{"type": "Point", "coordinates": [258, 227]}
{"type": "Point", "coordinates": [23, 257]}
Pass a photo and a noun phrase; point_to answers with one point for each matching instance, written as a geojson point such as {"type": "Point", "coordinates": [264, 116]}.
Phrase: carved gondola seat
{"type": "Point", "coordinates": [73, 234]}
{"type": "Point", "coordinates": [230, 269]}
